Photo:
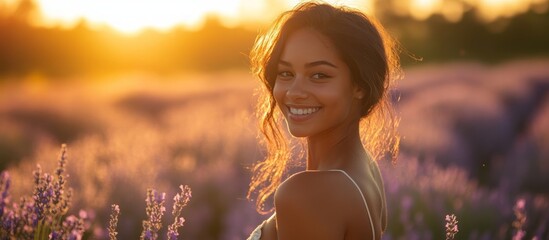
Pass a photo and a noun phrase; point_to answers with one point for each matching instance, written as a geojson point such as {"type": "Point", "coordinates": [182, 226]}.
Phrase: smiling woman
{"type": "Point", "coordinates": [326, 72]}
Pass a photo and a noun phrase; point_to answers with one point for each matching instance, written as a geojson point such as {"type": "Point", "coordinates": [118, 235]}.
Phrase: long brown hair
{"type": "Point", "coordinates": [372, 58]}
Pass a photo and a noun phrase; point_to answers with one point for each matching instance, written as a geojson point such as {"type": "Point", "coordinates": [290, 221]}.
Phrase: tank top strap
{"type": "Point", "coordinates": [363, 199]}
{"type": "Point", "coordinates": [256, 234]}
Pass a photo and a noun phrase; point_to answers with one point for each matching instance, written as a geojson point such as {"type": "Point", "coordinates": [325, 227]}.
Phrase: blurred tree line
{"type": "Point", "coordinates": [55, 51]}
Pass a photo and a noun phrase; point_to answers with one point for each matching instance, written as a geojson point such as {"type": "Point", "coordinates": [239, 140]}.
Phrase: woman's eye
{"type": "Point", "coordinates": [284, 74]}
{"type": "Point", "coordinates": [320, 76]}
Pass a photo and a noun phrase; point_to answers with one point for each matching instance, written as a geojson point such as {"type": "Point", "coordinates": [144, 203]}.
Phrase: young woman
{"type": "Point", "coordinates": [325, 72]}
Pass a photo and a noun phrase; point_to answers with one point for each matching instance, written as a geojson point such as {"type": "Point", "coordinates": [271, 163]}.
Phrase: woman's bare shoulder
{"type": "Point", "coordinates": [312, 181]}
{"type": "Point", "coordinates": [308, 207]}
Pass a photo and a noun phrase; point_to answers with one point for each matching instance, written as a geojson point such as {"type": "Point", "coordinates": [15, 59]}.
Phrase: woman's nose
{"type": "Point", "coordinates": [297, 89]}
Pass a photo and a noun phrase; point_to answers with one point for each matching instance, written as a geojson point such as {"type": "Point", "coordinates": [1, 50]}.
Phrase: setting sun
{"type": "Point", "coordinates": [131, 16]}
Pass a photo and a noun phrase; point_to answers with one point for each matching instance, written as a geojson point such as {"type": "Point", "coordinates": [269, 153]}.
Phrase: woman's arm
{"type": "Point", "coordinates": [269, 229]}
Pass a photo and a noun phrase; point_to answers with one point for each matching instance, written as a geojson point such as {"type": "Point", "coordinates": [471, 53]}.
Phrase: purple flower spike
{"type": "Point", "coordinates": [159, 197]}
{"type": "Point", "coordinates": [180, 200]}
{"type": "Point", "coordinates": [520, 215]}
{"type": "Point", "coordinates": [41, 215]}
{"type": "Point", "coordinates": [113, 223]}
{"type": "Point", "coordinates": [451, 226]}
{"type": "Point", "coordinates": [155, 210]}
{"type": "Point", "coordinates": [4, 183]}
{"type": "Point", "coordinates": [4, 191]}
{"type": "Point", "coordinates": [54, 235]}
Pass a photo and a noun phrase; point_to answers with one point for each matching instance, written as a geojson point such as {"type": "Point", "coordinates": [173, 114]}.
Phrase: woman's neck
{"type": "Point", "coordinates": [339, 149]}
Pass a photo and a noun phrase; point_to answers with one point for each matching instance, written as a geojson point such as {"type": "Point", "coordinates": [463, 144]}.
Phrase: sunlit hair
{"type": "Point", "coordinates": [372, 59]}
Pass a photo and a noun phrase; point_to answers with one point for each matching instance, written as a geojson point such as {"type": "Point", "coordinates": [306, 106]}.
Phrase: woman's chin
{"type": "Point", "coordinates": [299, 133]}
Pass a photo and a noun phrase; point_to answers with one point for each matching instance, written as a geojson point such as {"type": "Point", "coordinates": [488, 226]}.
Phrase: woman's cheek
{"type": "Point", "coordinates": [278, 93]}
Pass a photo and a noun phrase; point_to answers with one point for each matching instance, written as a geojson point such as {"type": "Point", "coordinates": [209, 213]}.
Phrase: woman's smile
{"type": "Point", "coordinates": [301, 113]}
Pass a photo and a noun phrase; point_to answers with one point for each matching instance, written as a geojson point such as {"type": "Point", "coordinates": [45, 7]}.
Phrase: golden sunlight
{"type": "Point", "coordinates": [130, 16]}
{"type": "Point", "coordinates": [422, 9]}
{"type": "Point", "coordinates": [490, 10]}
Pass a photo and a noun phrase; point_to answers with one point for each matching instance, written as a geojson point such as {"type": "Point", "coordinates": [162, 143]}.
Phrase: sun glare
{"type": "Point", "coordinates": [422, 9]}
{"type": "Point", "coordinates": [488, 10]}
{"type": "Point", "coordinates": [492, 9]}
{"type": "Point", "coordinates": [132, 16]}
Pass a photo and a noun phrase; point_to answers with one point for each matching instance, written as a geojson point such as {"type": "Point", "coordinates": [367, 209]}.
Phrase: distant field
{"type": "Point", "coordinates": [475, 140]}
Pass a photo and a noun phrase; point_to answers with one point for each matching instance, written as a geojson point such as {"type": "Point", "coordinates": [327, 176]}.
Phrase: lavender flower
{"type": "Point", "coordinates": [48, 194]}
{"type": "Point", "coordinates": [113, 222]}
{"type": "Point", "coordinates": [41, 216]}
{"type": "Point", "coordinates": [8, 223]}
{"type": "Point", "coordinates": [155, 210]}
{"type": "Point", "coordinates": [43, 195]}
{"type": "Point", "coordinates": [59, 185]}
{"type": "Point", "coordinates": [74, 227]}
{"type": "Point", "coordinates": [520, 214]}
{"type": "Point", "coordinates": [180, 200]}
{"type": "Point", "coordinates": [4, 191]}
{"type": "Point", "coordinates": [39, 193]}
{"type": "Point", "coordinates": [172, 229]}
{"type": "Point", "coordinates": [451, 226]}
{"type": "Point", "coordinates": [54, 235]}
{"type": "Point", "coordinates": [66, 202]}
{"type": "Point", "coordinates": [27, 218]}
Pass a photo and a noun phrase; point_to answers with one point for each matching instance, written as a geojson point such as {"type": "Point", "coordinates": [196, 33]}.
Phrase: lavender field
{"type": "Point", "coordinates": [475, 144]}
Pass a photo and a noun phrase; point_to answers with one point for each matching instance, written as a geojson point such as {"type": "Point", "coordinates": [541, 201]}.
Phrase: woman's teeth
{"type": "Point", "coordinates": [303, 111]}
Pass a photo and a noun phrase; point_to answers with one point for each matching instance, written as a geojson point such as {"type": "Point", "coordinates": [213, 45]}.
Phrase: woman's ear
{"type": "Point", "coordinates": [358, 93]}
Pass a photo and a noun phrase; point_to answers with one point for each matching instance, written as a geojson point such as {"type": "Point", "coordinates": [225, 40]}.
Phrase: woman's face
{"type": "Point", "coordinates": [313, 87]}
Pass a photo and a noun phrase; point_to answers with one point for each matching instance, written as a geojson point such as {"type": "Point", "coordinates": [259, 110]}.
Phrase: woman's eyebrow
{"type": "Point", "coordinates": [311, 64]}
{"type": "Point", "coordinates": [318, 63]}
{"type": "Point", "coordinates": [282, 62]}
